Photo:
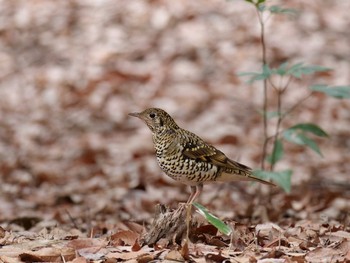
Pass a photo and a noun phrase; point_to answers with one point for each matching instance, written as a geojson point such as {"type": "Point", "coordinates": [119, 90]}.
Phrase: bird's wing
{"type": "Point", "coordinates": [196, 148]}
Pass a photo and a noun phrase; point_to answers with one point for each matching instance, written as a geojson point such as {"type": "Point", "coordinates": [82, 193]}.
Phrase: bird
{"type": "Point", "coordinates": [187, 158]}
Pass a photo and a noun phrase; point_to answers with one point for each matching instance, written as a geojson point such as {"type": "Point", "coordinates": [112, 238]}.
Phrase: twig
{"type": "Point", "coordinates": [278, 125]}
{"type": "Point", "coordinates": [296, 105]}
{"type": "Point", "coordinates": [72, 219]}
{"type": "Point", "coordinates": [265, 102]}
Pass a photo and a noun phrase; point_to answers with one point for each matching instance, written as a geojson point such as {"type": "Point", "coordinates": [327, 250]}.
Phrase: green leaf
{"type": "Point", "coordinates": [277, 152]}
{"type": "Point", "coordinates": [269, 114]}
{"type": "Point", "coordinates": [272, 114]}
{"type": "Point", "coordinates": [339, 92]}
{"type": "Point", "coordinates": [310, 127]}
{"type": "Point", "coordinates": [299, 69]}
{"type": "Point", "coordinates": [281, 178]}
{"type": "Point", "coordinates": [275, 9]}
{"type": "Point", "coordinates": [256, 2]}
{"type": "Point", "coordinates": [264, 74]}
{"type": "Point", "coordinates": [221, 226]}
{"type": "Point", "coordinates": [266, 71]}
{"type": "Point", "coordinates": [247, 73]}
{"type": "Point", "coordinates": [292, 136]}
{"type": "Point", "coordinates": [254, 76]}
{"type": "Point", "coordinates": [310, 143]}
{"type": "Point", "coordinates": [282, 69]}
{"type": "Point", "coordinates": [261, 7]}
{"type": "Point", "coordinates": [297, 135]}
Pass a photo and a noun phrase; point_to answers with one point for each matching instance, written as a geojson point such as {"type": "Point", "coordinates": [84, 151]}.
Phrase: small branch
{"type": "Point", "coordinates": [71, 219]}
{"type": "Point", "coordinates": [280, 119]}
{"type": "Point", "coordinates": [287, 84]}
{"type": "Point", "coordinates": [296, 105]}
{"type": "Point", "coordinates": [278, 125]}
{"type": "Point", "coordinates": [280, 91]}
{"type": "Point", "coordinates": [273, 85]}
{"type": "Point", "coordinates": [265, 102]}
{"type": "Point", "coordinates": [273, 136]}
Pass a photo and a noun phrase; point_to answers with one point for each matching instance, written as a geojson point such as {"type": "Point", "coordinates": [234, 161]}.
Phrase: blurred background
{"type": "Point", "coordinates": [71, 71]}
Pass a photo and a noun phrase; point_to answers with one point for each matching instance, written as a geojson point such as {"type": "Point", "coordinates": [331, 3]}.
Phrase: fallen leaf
{"type": "Point", "coordinates": [48, 255]}
{"type": "Point", "coordinates": [341, 234]}
{"type": "Point", "coordinates": [79, 260]}
{"type": "Point", "coordinates": [126, 255]}
{"type": "Point", "coordinates": [215, 257]}
{"type": "Point", "coordinates": [10, 259]}
{"type": "Point", "coordinates": [175, 256]}
{"type": "Point", "coordinates": [92, 243]}
{"type": "Point", "coordinates": [322, 254]}
{"type": "Point", "coordinates": [124, 237]}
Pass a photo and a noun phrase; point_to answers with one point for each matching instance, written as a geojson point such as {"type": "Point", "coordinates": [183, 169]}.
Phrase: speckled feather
{"type": "Point", "coordinates": [187, 158]}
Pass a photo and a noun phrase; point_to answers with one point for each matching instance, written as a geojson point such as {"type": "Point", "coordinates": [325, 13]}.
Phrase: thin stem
{"type": "Point", "coordinates": [265, 102]}
{"type": "Point", "coordinates": [296, 105]}
{"type": "Point", "coordinates": [280, 91]}
{"type": "Point", "coordinates": [287, 84]}
{"type": "Point", "coordinates": [278, 125]}
{"type": "Point", "coordinates": [280, 119]}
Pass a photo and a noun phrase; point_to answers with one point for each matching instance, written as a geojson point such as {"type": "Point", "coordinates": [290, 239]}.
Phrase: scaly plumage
{"type": "Point", "coordinates": [186, 158]}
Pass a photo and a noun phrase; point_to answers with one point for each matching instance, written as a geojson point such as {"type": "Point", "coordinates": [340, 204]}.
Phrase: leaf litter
{"type": "Point", "coordinates": [79, 180]}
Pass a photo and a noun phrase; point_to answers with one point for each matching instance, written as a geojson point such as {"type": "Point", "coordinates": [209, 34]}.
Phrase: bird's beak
{"type": "Point", "coordinates": [135, 114]}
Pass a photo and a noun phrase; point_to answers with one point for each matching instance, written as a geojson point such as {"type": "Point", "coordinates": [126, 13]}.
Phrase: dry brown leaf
{"type": "Point", "coordinates": [92, 253]}
{"type": "Point", "coordinates": [10, 259]}
{"type": "Point", "coordinates": [145, 258]}
{"type": "Point", "coordinates": [135, 227]}
{"type": "Point", "coordinates": [271, 260]}
{"type": "Point", "coordinates": [61, 87]}
{"type": "Point", "coordinates": [11, 251]}
{"type": "Point", "coordinates": [321, 254]}
{"type": "Point", "coordinates": [48, 254]}
{"type": "Point", "coordinates": [124, 237]}
{"type": "Point", "coordinates": [347, 256]}
{"type": "Point", "coordinates": [79, 260]}
{"type": "Point", "coordinates": [127, 255]}
{"type": "Point", "coordinates": [341, 234]}
{"type": "Point", "coordinates": [161, 244]}
{"type": "Point", "coordinates": [2, 232]}
{"type": "Point", "coordinates": [175, 255]}
{"type": "Point", "coordinates": [93, 243]}
{"type": "Point", "coordinates": [215, 257]}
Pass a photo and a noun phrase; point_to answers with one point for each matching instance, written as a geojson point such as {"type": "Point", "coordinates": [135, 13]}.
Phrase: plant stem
{"type": "Point", "coordinates": [280, 90]}
{"type": "Point", "coordinates": [278, 125]}
{"type": "Point", "coordinates": [296, 105]}
{"type": "Point", "coordinates": [265, 102]}
{"type": "Point", "coordinates": [281, 117]}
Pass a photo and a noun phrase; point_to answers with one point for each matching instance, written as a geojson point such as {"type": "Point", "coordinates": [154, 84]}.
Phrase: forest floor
{"type": "Point", "coordinates": [79, 179]}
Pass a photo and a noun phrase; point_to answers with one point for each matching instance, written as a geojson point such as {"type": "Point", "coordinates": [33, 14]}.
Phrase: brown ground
{"type": "Point", "coordinates": [79, 180]}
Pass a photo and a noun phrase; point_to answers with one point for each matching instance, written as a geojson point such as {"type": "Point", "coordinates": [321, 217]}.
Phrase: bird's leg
{"type": "Point", "coordinates": [195, 192]}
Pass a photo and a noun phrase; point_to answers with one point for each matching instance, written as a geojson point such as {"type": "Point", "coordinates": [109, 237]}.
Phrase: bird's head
{"type": "Point", "coordinates": [156, 119]}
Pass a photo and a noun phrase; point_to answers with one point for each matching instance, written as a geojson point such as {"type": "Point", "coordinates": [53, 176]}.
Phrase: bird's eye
{"type": "Point", "coordinates": [152, 115]}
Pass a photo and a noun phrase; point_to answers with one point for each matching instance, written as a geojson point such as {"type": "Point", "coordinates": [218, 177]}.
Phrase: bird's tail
{"type": "Point", "coordinates": [253, 178]}
{"type": "Point", "coordinates": [241, 175]}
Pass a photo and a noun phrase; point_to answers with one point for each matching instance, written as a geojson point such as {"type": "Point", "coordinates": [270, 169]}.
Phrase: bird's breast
{"type": "Point", "coordinates": [186, 170]}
